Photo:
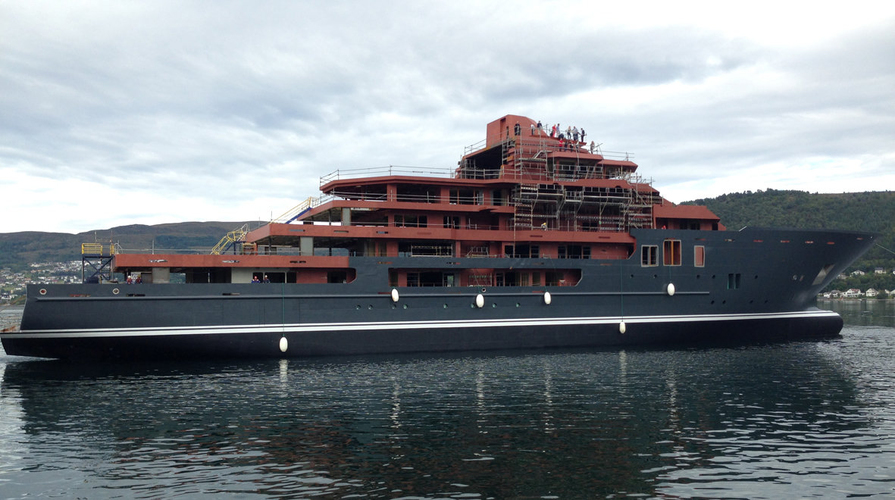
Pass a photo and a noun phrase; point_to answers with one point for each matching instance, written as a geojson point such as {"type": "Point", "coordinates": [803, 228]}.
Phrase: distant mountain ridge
{"type": "Point", "coordinates": [19, 250]}
{"type": "Point", "coordinates": [868, 211]}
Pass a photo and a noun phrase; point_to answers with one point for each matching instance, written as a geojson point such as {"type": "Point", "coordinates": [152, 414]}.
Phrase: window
{"type": "Point", "coordinates": [733, 281]}
{"type": "Point", "coordinates": [522, 251]}
{"type": "Point", "coordinates": [699, 256]}
{"type": "Point", "coordinates": [466, 197]}
{"type": "Point", "coordinates": [649, 256]}
{"type": "Point", "coordinates": [431, 278]}
{"type": "Point", "coordinates": [337, 277]}
{"type": "Point", "coordinates": [496, 197]}
{"type": "Point", "coordinates": [573, 252]}
{"type": "Point", "coordinates": [411, 220]}
{"type": "Point", "coordinates": [671, 255]}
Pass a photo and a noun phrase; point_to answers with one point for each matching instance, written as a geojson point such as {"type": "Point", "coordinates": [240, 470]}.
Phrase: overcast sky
{"type": "Point", "coordinates": [124, 112]}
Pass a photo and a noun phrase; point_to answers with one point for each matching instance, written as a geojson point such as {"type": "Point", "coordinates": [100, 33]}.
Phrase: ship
{"type": "Point", "coordinates": [536, 239]}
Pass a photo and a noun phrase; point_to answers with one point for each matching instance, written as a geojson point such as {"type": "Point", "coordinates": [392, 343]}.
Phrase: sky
{"type": "Point", "coordinates": [116, 113]}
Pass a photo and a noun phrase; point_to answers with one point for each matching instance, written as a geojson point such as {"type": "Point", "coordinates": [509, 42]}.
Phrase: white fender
{"type": "Point", "coordinates": [395, 295]}
{"type": "Point", "coordinates": [670, 289]}
{"type": "Point", "coordinates": [480, 301]}
{"type": "Point", "coordinates": [284, 344]}
{"type": "Point", "coordinates": [622, 328]}
{"type": "Point", "coordinates": [547, 298]}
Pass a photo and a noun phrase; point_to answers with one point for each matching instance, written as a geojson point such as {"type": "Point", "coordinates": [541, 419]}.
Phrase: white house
{"type": "Point", "coordinates": [851, 293]}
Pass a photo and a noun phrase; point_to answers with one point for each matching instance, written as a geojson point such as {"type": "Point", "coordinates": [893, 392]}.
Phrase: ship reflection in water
{"type": "Point", "coordinates": [799, 419]}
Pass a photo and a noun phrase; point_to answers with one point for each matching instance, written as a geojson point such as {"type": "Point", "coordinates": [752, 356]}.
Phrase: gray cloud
{"type": "Point", "coordinates": [174, 101]}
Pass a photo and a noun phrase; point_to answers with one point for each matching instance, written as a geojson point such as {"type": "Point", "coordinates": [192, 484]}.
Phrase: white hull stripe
{"type": "Point", "coordinates": [301, 328]}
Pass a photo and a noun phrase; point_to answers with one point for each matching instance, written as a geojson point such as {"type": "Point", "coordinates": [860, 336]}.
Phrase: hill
{"type": "Point", "coordinates": [18, 250]}
{"type": "Point", "coordinates": [868, 211]}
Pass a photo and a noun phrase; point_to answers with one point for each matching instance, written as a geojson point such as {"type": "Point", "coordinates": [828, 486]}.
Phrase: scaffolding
{"type": "Point", "coordinates": [96, 262]}
{"type": "Point", "coordinates": [543, 199]}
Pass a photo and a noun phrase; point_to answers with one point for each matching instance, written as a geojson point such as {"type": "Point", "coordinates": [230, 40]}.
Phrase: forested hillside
{"type": "Point", "coordinates": [869, 211]}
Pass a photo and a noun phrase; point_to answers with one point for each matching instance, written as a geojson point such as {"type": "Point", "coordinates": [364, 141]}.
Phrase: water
{"type": "Point", "coordinates": [798, 420]}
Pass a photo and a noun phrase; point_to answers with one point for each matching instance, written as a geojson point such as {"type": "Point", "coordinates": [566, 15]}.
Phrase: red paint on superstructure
{"type": "Point", "coordinates": [520, 193]}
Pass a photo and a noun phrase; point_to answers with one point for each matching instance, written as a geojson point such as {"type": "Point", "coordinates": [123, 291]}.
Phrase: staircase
{"type": "Point", "coordinates": [230, 239]}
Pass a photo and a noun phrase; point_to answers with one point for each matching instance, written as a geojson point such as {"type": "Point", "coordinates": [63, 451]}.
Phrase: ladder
{"type": "Point", "coordinates": [524, 200]}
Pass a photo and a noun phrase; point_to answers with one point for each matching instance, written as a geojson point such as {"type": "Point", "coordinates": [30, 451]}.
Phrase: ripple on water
{"type": "Point", "coordinates": [756, 422]}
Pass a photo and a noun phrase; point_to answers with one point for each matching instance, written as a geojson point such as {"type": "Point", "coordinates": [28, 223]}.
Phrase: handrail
{"type": "Point", "coordinates": [475, 147]}
{"type": "Point", "coordinates": [294, 212]}
{"type": "Point", "coordinates": [388, 170]}
{"type": "Point", "coordinates": [464, 172]}
{"type": "Point", "coordinates": [97, 249]}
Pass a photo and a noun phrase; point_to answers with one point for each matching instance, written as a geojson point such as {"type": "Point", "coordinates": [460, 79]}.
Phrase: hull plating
{"type": "Point", "coordinates": [754, 286]}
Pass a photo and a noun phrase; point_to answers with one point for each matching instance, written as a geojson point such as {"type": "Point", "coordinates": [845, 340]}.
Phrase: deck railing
{"type": "Point", "coordinates": [355, 173]}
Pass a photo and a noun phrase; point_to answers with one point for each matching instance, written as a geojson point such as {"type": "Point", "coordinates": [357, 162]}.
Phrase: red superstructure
{"type": "Point", "coordinates": [522, 192]}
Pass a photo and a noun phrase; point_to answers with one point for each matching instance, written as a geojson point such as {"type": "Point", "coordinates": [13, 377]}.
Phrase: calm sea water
{"type": "Point", "coordinates": [798, 420]}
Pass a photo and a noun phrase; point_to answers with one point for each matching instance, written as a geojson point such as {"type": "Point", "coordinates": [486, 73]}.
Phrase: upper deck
{"type": "Point", "coordinates": [522, 176]}
{"type": "Point", "coordinates": [522, 192]}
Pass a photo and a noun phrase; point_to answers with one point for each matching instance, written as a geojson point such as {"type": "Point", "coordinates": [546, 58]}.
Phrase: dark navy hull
{"type": "Point", "coordinates": [756, 285]}
{"type": "Point", "coordinates": [345, 340]}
